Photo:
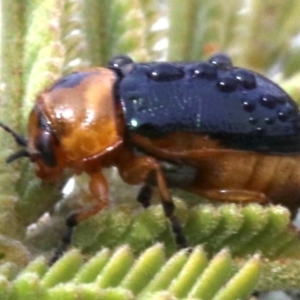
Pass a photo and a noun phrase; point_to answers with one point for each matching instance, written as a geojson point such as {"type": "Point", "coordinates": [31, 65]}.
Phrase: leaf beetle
{"type": "Point", "coordinates": [219, 131]}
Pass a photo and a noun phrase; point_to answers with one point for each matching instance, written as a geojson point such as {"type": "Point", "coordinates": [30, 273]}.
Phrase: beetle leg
{"type": "Point", "coordinates": [145, 195]}
{"type": "Point", "coordinates": [137, 170]}
{"type": "Point", "coordinates": [99, 189]}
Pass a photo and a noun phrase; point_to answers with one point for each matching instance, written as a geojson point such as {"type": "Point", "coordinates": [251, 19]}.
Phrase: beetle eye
{"type": "Point", "coordinates": [44, 145]}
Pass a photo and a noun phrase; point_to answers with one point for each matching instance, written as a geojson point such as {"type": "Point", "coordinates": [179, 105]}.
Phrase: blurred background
{"type": "Point", "coordinates": [43, 40]}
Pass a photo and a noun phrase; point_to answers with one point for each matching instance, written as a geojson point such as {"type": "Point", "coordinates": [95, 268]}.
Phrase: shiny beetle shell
{"type": "Point", "coordinates": [241, 109]}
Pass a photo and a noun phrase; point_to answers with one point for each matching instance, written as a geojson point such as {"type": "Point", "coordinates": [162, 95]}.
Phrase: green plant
{"type": "Point", "coordinates": [42, 40]}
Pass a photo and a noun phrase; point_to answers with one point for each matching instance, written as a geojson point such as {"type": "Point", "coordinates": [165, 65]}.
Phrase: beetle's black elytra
{"type": "Point", "coordinates": [203, 70]}
{"type": "Point", "coordinates": [221, 61]}
{"type": "Point", "coordinates": [214, 98]}
{"type": "Point", "coordinates": [227, 83]}
{"type": "Point", "coordinates": [165, 72]}
{"type": "Point", "coordinates": [245, 78]}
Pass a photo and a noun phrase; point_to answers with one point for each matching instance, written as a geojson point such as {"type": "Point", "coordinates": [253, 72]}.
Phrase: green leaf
{"type": "Point", "coordinates": [40, 41]}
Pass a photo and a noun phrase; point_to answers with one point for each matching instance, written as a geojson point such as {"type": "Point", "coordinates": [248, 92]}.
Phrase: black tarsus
{"type": "Point", "coordinates": [169, 209]}
{"type": "Point", "coordinates": [71, 223]}
{"type": "Point", "coordinates": [63, 247]}
{"type": "Point", "coordinates": [145, 194]}
{"type": "Point", "coordinates": [144, 197]}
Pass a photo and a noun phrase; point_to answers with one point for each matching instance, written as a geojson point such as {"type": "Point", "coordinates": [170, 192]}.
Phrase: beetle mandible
{"type": "Point", "coordinates": [219, 131]}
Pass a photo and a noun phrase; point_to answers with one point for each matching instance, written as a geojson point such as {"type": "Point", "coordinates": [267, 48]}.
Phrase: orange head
{"type": "Point", "coordinates": [72, 122]}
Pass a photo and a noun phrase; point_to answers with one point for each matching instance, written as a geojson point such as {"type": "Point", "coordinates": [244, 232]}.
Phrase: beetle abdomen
{"type": "Point", "coordinates": [239, 107]}
{"type": "Point", "coordinates": [275, 176]}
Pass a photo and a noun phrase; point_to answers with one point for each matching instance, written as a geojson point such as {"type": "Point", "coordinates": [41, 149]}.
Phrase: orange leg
{"type": "Point", "coordinates": [135, 170]}
{"type": "Point", "coordinates": [99, 189]}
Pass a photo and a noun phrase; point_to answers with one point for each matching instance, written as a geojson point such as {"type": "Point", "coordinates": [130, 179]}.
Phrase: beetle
{"type": "Point", "coordinates": [219, 131]}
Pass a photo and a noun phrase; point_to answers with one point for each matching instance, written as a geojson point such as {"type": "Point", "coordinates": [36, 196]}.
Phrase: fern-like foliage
{"type": "Point", "coordinates": [41, 41]}
{"type": "Point", "coordinates": [244, 230]}
{"type": "Point", "coordinates": [118, 275]}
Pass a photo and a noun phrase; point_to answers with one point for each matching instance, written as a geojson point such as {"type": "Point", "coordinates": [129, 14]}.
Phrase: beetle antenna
{"type": "Point", "coordinates": [20, 140]}
{"type": "Point", "coordinates": [16, 155]}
